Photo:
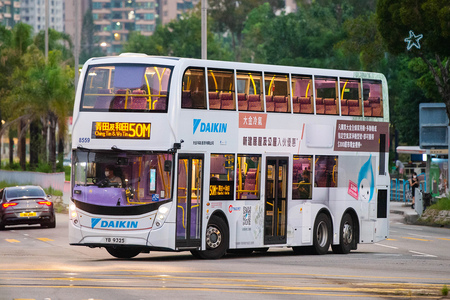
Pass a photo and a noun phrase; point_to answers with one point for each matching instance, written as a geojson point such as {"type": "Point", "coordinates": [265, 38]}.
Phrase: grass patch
{"type": "Point", "coordinates": [442, 204]}
{"type": "Point", "coordinates": [444, 290]}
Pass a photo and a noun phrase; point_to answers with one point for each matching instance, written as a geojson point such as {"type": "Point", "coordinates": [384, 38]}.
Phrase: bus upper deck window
{"type": "Point", "coordinates": [221, 89]}
{"type": "Point", "coordinates": [194, 89]}
{"type": "Point", "coordinates": [302, 89]}
{"type": "Point", "coordinates": [277, 92]}
{"type": "Point", "coordinates": [249, 89]}
{"type": "Point", "coordinates": [126, 88]}
{"type": "Point", "coordinates": [373, 98]}
{"type": "Point", "coordinates": [350, 90]}
{"type": "Point", "coordinates": [326, 95]}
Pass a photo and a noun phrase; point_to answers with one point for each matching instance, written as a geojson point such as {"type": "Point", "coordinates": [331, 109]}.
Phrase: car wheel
{"type": "Point", "coordinates": [123, 252]}
{"type": "Point", "coordinates": [346, 236]}
{"type": "Point", "coordinates": [216, 239]}
{"type": "Point", "coordinates": [321, 234]}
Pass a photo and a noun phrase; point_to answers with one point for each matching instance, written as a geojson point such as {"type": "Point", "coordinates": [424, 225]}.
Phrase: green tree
{"type": "Point", "coordinates": [13, 46]}
{"type": "Point", "coordinates": [56, 41]}
{"type": "Point", "coordinates": [88, 47]}
{"type": "Point", "coordinates": [431, 18]}
{"type": "Point", "coordinates": [230, 17]}
{"type": "Point", "coordinates": [180, 38]}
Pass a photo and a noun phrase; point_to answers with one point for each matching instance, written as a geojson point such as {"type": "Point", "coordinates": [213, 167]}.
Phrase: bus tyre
{"type": "Point", "coordinates": [123, 252]}
{"type": "Point", "coordinates": [346, 236]}
{"type": "Point", "coordinates": [216, 239]}
{"type": "Point", "coordinates": [321, 234]}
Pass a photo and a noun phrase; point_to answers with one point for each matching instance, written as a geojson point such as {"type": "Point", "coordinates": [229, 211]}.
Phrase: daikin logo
{"type": "Point", "coordinates": [209, 127]}
{"type": "Point", "coordinates": [113, 224]}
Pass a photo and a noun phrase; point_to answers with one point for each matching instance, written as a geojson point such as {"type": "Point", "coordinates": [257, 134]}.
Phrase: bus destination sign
{"type": "Point", "coordinates": [220, 190]}
{"type": "Point", "coordinates": [120, 130]}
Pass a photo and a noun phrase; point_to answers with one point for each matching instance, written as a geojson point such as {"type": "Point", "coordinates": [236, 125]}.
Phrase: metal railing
{"type": "Point", "coordinates": [45, 180]}
{"type": "Point", "coordinates": [400, 186]}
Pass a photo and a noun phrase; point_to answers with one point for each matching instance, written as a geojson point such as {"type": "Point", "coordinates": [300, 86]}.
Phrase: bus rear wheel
{"type": "Point", "coordinates": [346, 236]}
{"type": "Point", "coordinates": [123, 252]}
{"type": "Point", "coordinates": [321, 234]}
{"type": "Point", "coordinates": [216, 239]}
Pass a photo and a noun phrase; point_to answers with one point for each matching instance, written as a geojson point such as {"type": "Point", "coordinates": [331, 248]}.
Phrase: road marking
{"type": "Point", "coordinates": [444, 239]}
{"type": "Point", "coordinates": [45, 239]}
{"type": "Point", "coordinates": [392, 247]}
{"type": "Point", "coordinates": [390, 239]}
{"type": "Point", "coordinates": [12, 241]}
{"type": "Point", "coordinates": [416, 239]}
{"type": "Point", "coordinates": [422, 254]}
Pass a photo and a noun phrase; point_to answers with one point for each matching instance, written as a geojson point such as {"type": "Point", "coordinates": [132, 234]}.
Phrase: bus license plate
{"type": "Point", "coordinates": [27, 214]}
{"type": "Point", "coordinates": [114, 240]}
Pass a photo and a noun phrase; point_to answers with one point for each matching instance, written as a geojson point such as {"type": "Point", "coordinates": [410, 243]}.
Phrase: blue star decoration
{"type": "Point", "coordinates": [413, 40]}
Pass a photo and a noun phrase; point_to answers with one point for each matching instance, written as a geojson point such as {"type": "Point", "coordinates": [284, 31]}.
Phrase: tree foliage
{"type": "Point", "coordinates": [431, 18]}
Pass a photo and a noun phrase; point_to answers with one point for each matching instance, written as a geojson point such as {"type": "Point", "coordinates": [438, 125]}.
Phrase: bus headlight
{"type": "Point", "coordinates": [162, 214]}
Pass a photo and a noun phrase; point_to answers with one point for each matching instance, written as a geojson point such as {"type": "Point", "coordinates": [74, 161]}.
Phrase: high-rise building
{"type": "Point", "coordinates": [9, 12]}
{"type": "Point", "coordinates": [33, 13]}
{"type": "Point", "coordinates": [169, 10]}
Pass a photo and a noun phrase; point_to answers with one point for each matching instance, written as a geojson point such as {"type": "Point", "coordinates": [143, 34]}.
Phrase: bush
{"type": "Point", "coordinates": [442, 204]}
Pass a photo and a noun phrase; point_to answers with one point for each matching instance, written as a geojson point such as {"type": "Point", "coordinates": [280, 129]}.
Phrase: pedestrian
{"type": "Point", "coordinates": [413, 183]}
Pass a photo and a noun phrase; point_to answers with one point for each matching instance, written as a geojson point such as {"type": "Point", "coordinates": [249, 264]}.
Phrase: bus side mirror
{"type": "Point", "coordinates": [167, 165]}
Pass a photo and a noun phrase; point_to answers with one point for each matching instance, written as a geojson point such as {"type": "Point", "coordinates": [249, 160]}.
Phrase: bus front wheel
{"type": "Point", "coordinates": [321, 234]}
{"type": "Point", "coordinates": [123, 252]}
{"type": "Point", "coordinates": [216, 239]}
{"type": "Point", "coordinates": [346, 236]}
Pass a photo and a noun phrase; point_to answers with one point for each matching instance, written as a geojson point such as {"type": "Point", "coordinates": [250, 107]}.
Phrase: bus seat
{"type": "Point", "coordinates": [198, 99]}
{"type": "Point", "coordinates": [269, 103]}
{"type": "Point", "coordinates": [118, 102]}
{"type": "Point", "coordinates": [305, 105]}
{"type": "Point", "coordinates": [367, 109]}
{"type": "Point", "coordinates": [186, 100]}
{"type": "Point", "coordinates": [227, 101]}
{"type": "Point", "coordinates": [354, 109]}
{"type": "Point", "coordinates": [161, 104]}
{"type": "Point", "coordinates": [330, 106]}
{"type": "Point", "coordinates": [281, 104]}
{"type": "Point", "coordinates": [103, 100]}
{"type": "Point", "coordinates": [320, 108]}
{"type": "Point", "coordinates": [194, 216]}
{"type": "Point", "coordinates": [137, 102]}
{"type": "Point", "coordinates": [295, 104]}
{"type": "Point", "coordinates": [375, 103]}
{"type": "Point", "coordinates": [214, 101]}
{"type": "Point", "coordinates": [242, 101]}
{"type": "Point", "coordinates": [344, 107]}
{"type": "Point", "coordinates": [181, 219]}
{"type": "Point", "coordinates": [254, 103]}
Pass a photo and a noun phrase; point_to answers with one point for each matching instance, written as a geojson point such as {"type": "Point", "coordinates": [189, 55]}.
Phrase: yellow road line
{"type": "Point", "coordinates": [226, 291]}
{"type": "Point", "coordinates": [416, 239]}
{"type": "Point", "coordinates": [444, 239]}
{"type": "Point", "coordinates": [12, 241]}
{"type": "Point", "coordinates": [390, 239]}
{"type": "Point", "coordinates": [45, 239]}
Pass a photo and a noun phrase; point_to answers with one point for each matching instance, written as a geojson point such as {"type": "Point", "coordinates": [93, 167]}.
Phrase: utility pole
{"type": "Point", "coordinates": [204, 28]}
{"type": "Point", "coordinates": [46, 30]}
{"type": "Point", "coordinates": [76, 53]}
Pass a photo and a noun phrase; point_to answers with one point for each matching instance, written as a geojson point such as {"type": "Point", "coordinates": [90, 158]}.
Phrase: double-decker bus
{"type": "Point", "coordinates": [177, 154]}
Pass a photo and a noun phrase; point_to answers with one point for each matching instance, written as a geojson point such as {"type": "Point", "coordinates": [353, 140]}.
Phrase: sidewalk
{"type": "Point", "coordinates": [404, 209]}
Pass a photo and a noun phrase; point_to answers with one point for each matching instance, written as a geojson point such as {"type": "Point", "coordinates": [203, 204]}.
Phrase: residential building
{"type": "Point", "coordinates": [9, 12]}
{"type": "Point", "coordinates": [33, 13]}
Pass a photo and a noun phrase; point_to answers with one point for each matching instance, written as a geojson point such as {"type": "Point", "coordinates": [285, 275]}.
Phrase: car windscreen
{"type": "Point", "coordinates": [25, 192]}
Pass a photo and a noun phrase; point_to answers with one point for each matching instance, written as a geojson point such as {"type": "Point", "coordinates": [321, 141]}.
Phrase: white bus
{"type": "Point", "coordinates": [214, 157]}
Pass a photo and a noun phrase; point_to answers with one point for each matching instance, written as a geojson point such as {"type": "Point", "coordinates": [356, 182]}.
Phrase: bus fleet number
{"type": "Point", "coordinates": [84, 140]}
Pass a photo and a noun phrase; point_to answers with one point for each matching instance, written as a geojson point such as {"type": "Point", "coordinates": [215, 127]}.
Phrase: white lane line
{"type": "Point", "coordinates": [421, 254]}
{"type": "Point", "coordinates": [421, 235]}
{"type": "Point", "coordinates": [392, 247]}
{"type": "Point", "coordinates": [388, 254]}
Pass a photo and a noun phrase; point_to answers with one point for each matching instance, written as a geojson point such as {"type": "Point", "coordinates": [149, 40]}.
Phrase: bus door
{"type": "Point", "coordinates": [189, 200]}
{"type": "Point", "coordinates": [276, 200]}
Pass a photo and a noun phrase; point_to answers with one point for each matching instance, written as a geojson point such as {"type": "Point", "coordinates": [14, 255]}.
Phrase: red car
{"type": "Point", "coordinates": [26, 205]}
